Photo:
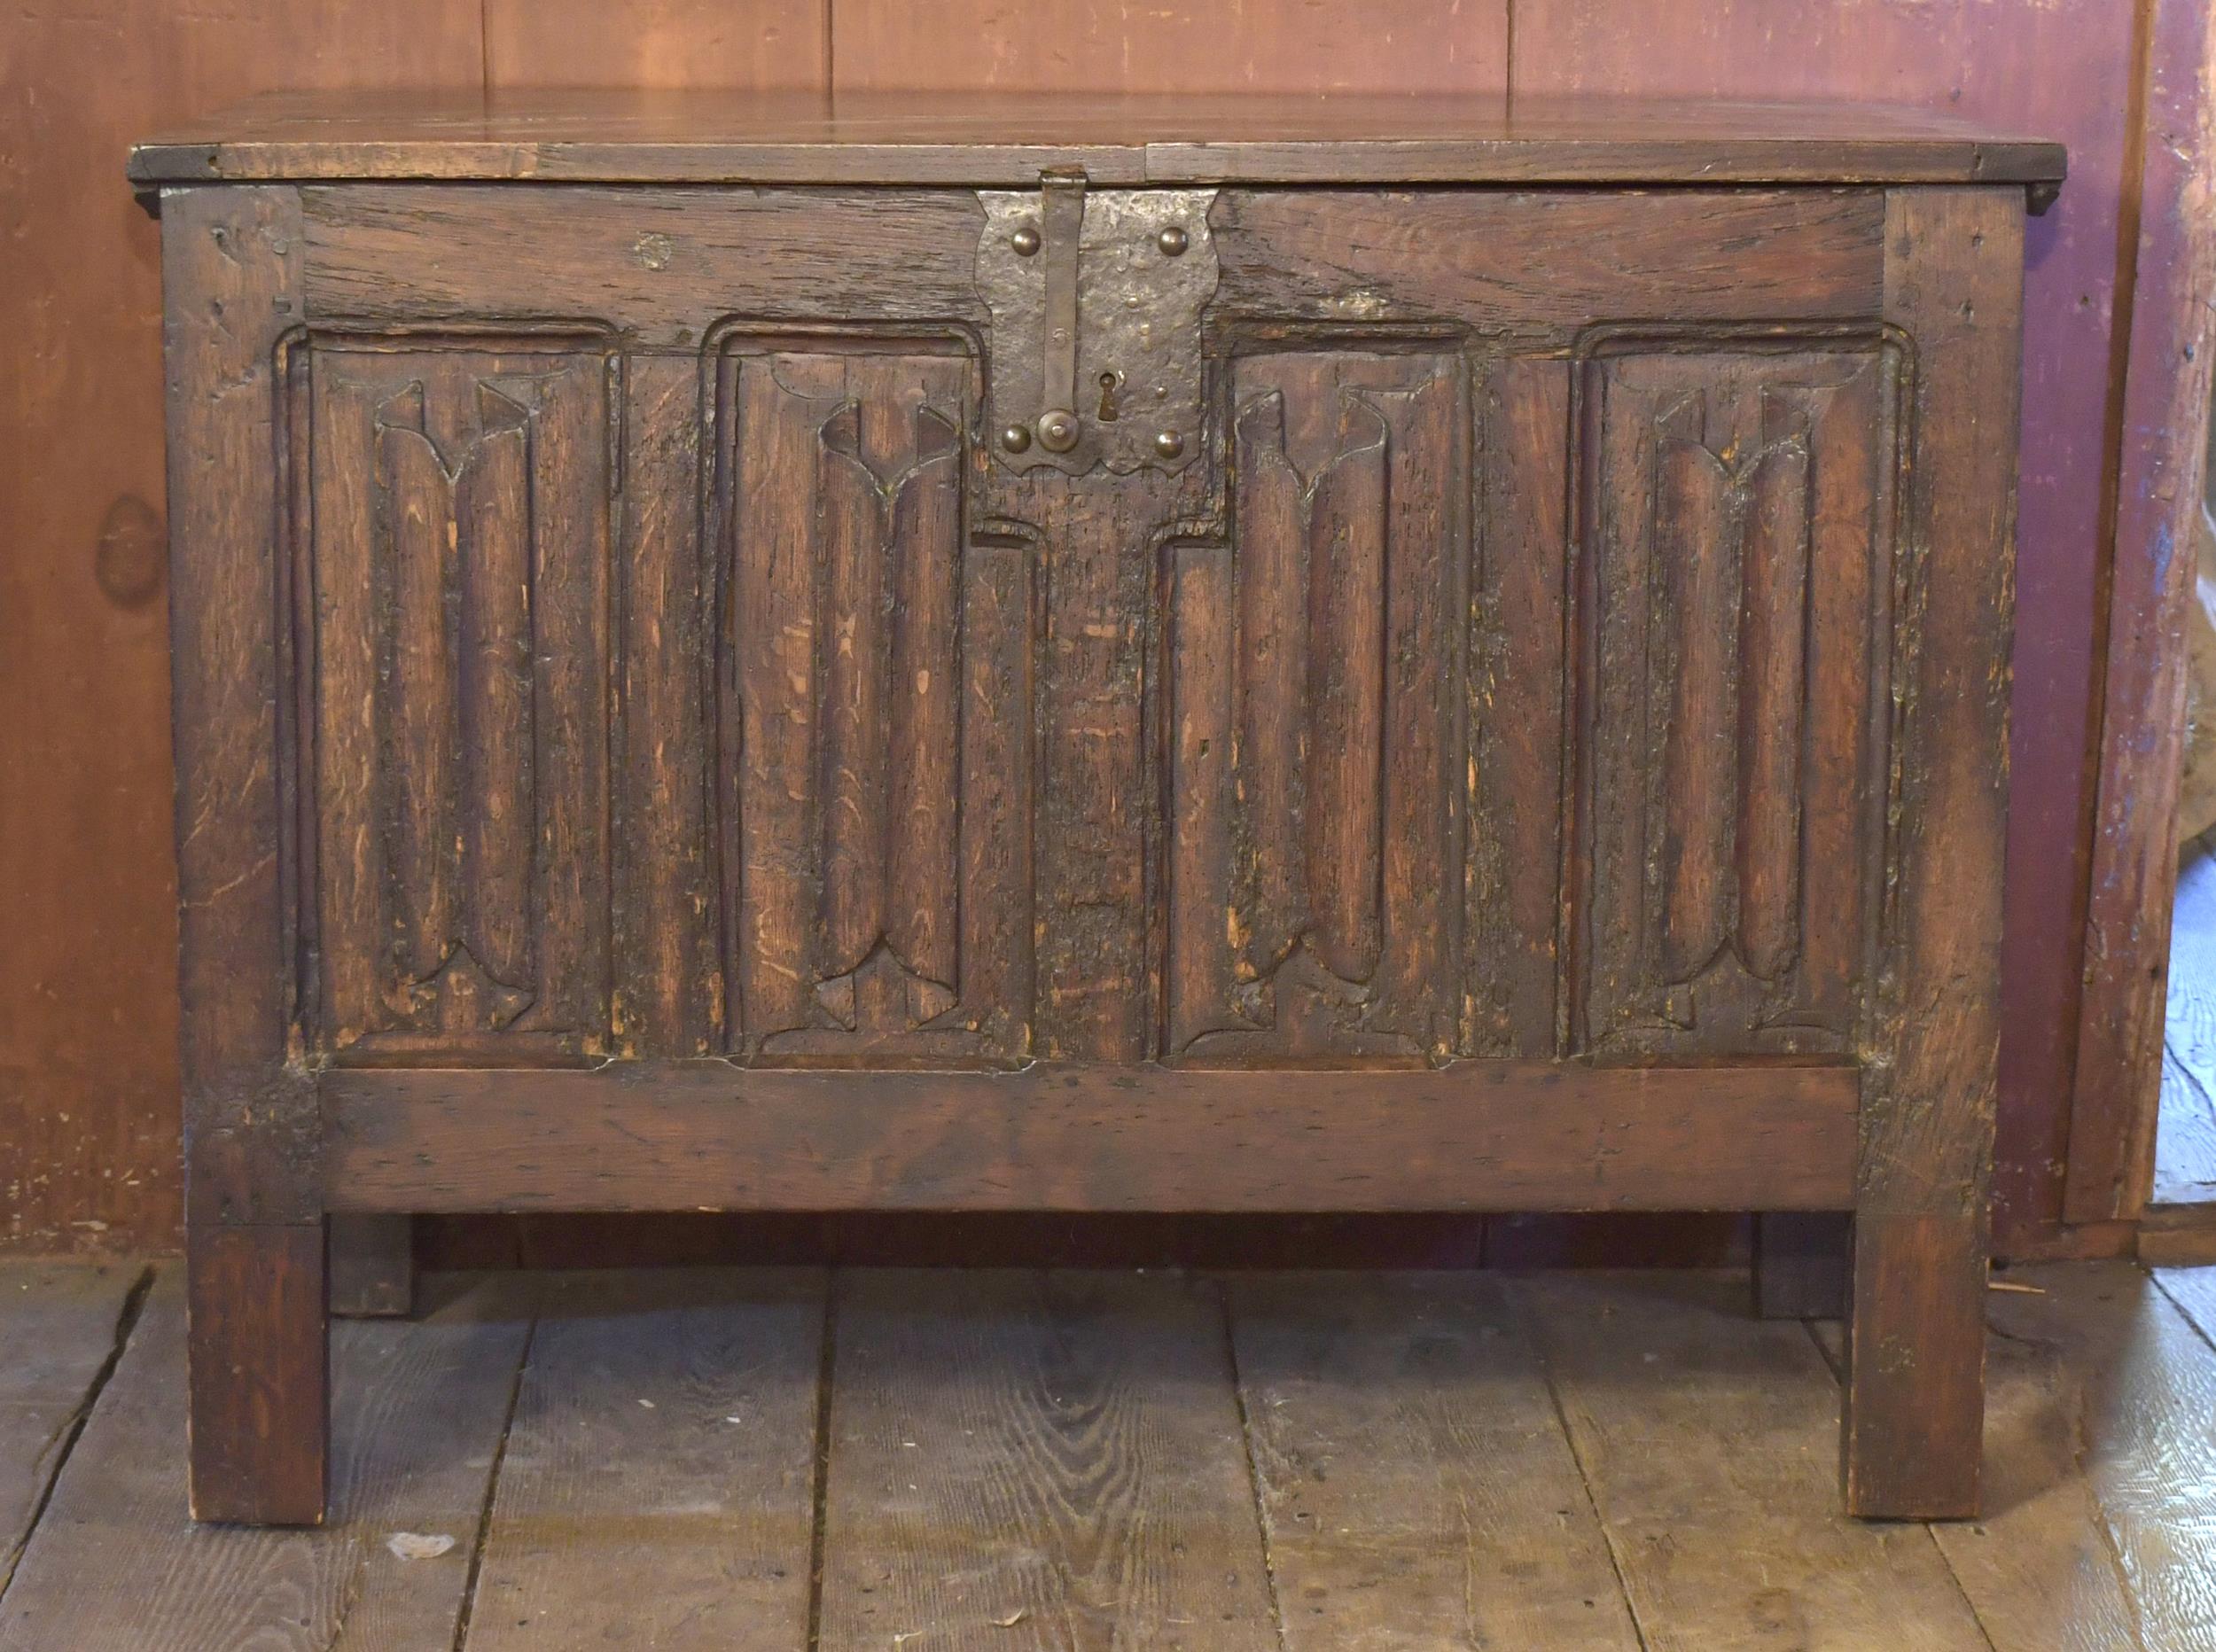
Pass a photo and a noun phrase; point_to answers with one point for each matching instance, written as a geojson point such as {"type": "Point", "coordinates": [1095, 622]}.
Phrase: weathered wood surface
{"type": "Point", "coordinates": [999, 1445]}
{"type": "Point", "coordinates": [1492, 1135]}
{"type": "Point", "coordinates": [2103, 1469]}
{"type": "Point", "coordinates": [116, 1565]}
{"type": "Point", "coordinates": [63, 1327]}
{"type": "Point", "coordinates": [1954, 284]}
{"type": "Point", "coordinates": [2185, 1142]}
{"type": "Point", "coordinates": [1038, 1461]}
{"type": "Point", "coordinates": [657, 1479]}
{"type": "Point", "coordinates": [996, 138]}
{"type": "Point", "coordinates": [1673, 1461]}
{"type": "Point", "coordinates": [1414, 1483]}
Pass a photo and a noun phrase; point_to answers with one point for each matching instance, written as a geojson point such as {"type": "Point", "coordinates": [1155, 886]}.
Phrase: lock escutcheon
{"type": "Point", "coordinates": [1103, 289]}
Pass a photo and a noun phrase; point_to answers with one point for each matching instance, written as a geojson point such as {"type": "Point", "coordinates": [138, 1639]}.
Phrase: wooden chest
{"type": "Point", "coordinates": [1251, 656]}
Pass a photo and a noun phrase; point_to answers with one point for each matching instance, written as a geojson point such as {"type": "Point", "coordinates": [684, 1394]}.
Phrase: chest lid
{"type": "Point", "coordinates": [1001, 140]}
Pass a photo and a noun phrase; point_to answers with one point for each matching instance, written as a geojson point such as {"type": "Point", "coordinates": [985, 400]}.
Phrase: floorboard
{"type": "Point", "coordinates": [1710, 1442]}
{"type": "Point", "coordinates": [62, 1322]}
{"type": "Point", "coordinates": [1282, 1463]}
{"type": "Point", "coordinates": [2100, 1469]}
{"type": "Point", "coordinates": [1415, 1487]}
{"type": "Point", "coordinates": [115, 1565]}
{"type": "Point", "coordinates": [657, 1489]}
{"type": "Point", "coordinates": [2185, 1141]}
{"type": "Point", "coordinates": [1028, 1461]}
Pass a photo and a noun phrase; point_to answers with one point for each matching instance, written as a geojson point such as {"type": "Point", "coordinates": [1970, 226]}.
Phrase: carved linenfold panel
{"type": "Point", "coordinates": [1736, 534]}
{"type": "Point", "coordinates": [1316, 751]}
{"type": "Point", "coordinates": [875, 683]}
{"type": "Point", "coordinates": [458, 492]}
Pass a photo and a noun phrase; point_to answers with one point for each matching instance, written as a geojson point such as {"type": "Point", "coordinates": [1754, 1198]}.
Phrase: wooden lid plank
{"type": "Point", "coordinates": [1003, 140]}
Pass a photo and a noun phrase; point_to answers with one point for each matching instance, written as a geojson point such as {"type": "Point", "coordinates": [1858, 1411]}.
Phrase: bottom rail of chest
{"type": "Point", "coordinates": [1476, 1135]}
{"type": "Point", "coordinates": [1782, 1137]}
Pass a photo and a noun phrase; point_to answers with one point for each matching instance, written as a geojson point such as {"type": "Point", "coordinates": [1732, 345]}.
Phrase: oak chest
{"type": "Point", "coordinates": [1254, 656]}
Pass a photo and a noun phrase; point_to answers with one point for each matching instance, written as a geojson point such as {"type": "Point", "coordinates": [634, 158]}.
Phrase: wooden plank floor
{"type": "Point", "coordinates": [2185, 1141]}
{"type": "Point", "coordinates": [775, 1459]}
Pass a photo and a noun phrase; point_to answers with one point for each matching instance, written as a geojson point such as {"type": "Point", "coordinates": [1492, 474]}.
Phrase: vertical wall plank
{"type": "Point", "coordinates": [2063, 71]}
{"type": "Point", "coordinates": [2142, 727]}
{"type": "Point", "coordinates": [1109, 45]}
{"type": "Point", "coordinates": [657, 43]}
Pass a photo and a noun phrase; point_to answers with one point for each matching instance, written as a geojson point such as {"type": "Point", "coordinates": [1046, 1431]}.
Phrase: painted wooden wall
{"type": "Point", "coordinates": [88, 1018]}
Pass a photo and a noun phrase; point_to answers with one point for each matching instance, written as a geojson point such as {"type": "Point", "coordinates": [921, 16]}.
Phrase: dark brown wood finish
{"type": "Point", "coordinates": [1532, 742]}
{"type": "Point", "coordinates": [254, 1247]}
{"type": "Point", "coordinates": [1953, 286]}
{"type": "Point", "coordinates": [1479, 1135]}
{"type": "Point", "coordinates": [1009, 137]}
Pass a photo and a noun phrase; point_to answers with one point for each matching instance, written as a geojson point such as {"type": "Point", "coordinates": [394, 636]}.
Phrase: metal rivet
{"type": "Point", "coordinates": [1172, 240]}
{"type": "Point", "coordinates": [1169, 443]}
{"type": "Point", "coordinates": [1026, 241]}
{"type": "Point", "coordinates": [1057, 430]}
{"type": "Point", "coordinates": [1015, 439]}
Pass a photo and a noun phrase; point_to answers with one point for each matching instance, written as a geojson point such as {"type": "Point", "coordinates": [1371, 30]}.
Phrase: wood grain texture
{"type": "Point", "coordinates": [1414, 1485]}
{"type": "Point", "coordinates": [1745, 1417]}
{"type": "Point", "coordinates": [1479, 1135]}
{"type": "Point", "coordinates": [984, 137]}
{"type": "Point", "coordinates": [1735, 512]}
{"type": "Point", "coordinates": [666, 953]}
{"type": "Point", "coordinates": [259, 1375]}
{"type": "Point", "coordinates": [231, 263]}
{"type": "Point", "coordinates": [1954, 285]}
{"type": "Point", "coordinates": [1315, 793]}
{"type": "Point", "coordinates": [116, 1565]}
{"type": "Point", "coordinates": [64, 1324]}
{"type": "Point", "coordinates": [1038, 1461]}
{"type": "Point", "coordinates": [665, 1428]}
{"type": "Point", "coordinates": [456, 548]}
{"type": "Point", "coordinates": [2116, 1099]}
{"type": "Point", "coordinates": [875, 866]}
{"type": "Point", "coordinates": [1695, 255]}
{"type": "Point", "coordinates": [2102, 1455]}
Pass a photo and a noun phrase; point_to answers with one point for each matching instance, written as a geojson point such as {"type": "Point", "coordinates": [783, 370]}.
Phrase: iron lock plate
{"type": "Point", "coordinates": [1096, 299]}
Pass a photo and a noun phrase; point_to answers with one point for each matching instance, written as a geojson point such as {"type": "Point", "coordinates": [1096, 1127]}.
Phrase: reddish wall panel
{"type": "Point", "coordinates": [88, 886]}
{"type": "Point", "coordinates": [1145, 45]}
{"type": "Point", "coordinates": [662, 43]}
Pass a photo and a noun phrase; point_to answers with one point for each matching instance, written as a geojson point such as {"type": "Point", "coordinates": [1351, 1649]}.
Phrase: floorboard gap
{"type": "Point", "coordinates": [492, 1484]}
{"type": "Point", "coordinates": [1520, 1305]}
{"type": "Point", "coordinates": [826, 1364]}
{"type": "Point", "coordinates": [1253, 1467]}
{"type": "Point", "coordinates": [73, 1426]}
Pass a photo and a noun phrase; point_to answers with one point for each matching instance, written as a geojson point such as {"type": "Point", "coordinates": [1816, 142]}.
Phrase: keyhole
{"type": "Point", "coordinates": [1108, 382]}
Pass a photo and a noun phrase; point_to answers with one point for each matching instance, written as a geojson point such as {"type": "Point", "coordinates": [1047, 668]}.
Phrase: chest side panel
{"type": "Point", "coordinates": [452, 503]}
{"type": "Point", "coordinates": [1316, 669]}
{"type": "Point", "coordinates": [873, 707]}
{"type": "Point", "coordinates": [1734, 587]}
